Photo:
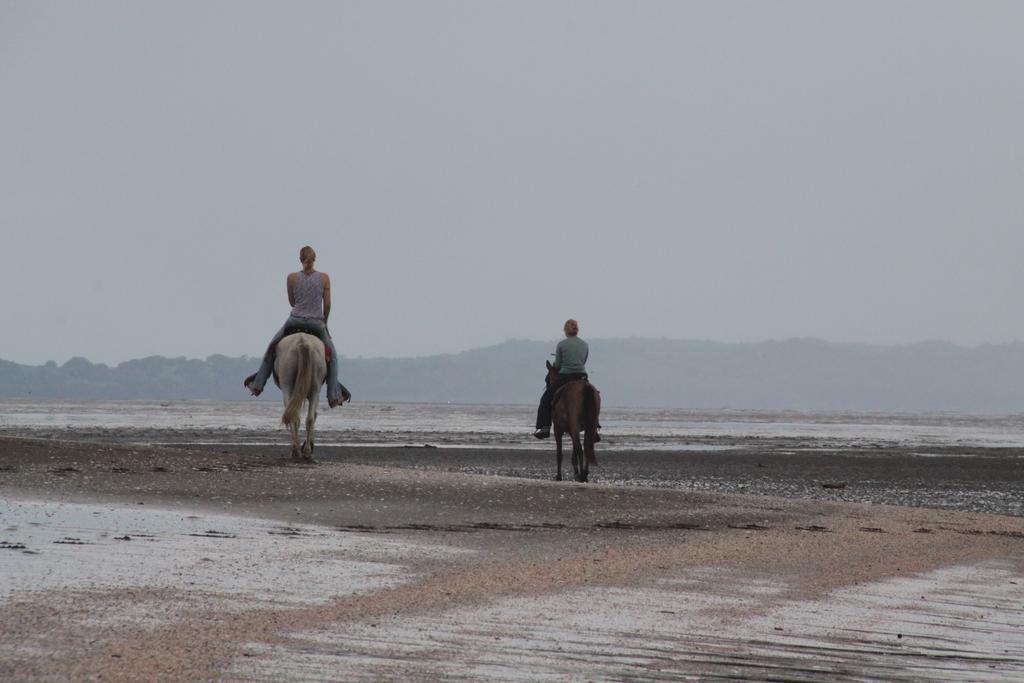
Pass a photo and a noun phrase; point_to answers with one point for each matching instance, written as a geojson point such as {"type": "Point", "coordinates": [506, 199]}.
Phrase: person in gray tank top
{"type": "Point", "coordinates": [309, 293]}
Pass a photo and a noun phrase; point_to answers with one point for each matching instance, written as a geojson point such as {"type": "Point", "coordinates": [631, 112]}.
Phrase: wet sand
{"type": "Point", "coordinates": [970, 480]}
{"type": "Point", "coordinates": [127, 562]}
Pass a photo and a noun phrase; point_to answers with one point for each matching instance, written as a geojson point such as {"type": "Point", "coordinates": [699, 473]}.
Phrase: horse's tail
{"type": "Point", "coordinates": [304, 381]}
{"type": "Point", "coordinates": [591, 410]}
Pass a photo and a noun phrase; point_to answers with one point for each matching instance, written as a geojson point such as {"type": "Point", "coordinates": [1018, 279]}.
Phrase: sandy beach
{"type": "Point", "coordinates": [130, 562]}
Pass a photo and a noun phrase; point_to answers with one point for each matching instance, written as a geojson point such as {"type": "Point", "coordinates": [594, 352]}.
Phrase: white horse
{"type": "Point", "coordinates": [299, 370]}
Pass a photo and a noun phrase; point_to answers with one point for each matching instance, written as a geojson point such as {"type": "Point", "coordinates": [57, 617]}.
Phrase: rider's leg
{"type": "Point", "coordinates": [334, 389]}
{"type": "Point", "coordinates": [341, 394]}
{"type": "Point", "coordinates": [544, 412]}
{"type": "Point", "coordinates": [255, 383]}
{"type": "Point", "coordinates": [544, 409]}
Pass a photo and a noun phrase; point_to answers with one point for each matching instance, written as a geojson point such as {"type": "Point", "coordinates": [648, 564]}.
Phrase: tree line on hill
{"type": "Point", "coordinates": [797, 374]}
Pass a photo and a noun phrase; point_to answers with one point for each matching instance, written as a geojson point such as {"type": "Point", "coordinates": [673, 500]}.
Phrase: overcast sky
{"type": "Point", "coordinates": [472, 172]}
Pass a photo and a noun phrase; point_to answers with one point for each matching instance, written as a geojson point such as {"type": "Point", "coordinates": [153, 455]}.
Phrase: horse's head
{"type": "Point", "coordinates": [548, 378]}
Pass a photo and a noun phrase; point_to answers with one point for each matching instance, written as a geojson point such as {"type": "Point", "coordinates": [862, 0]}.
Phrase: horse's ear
{"type": "Point", "coordinates": [550, 366]}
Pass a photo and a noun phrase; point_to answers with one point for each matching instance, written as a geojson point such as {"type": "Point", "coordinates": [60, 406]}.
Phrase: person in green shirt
{"type": "Point", "coordinates": [571, 363]}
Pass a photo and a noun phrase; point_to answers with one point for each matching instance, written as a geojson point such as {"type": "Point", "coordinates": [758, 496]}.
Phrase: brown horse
{"type": "Point", "coordinates": [577, 405]}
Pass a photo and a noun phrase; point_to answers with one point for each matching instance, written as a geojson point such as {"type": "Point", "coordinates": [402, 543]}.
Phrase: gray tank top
{"type": "Point", "coordinates": [309, 296]}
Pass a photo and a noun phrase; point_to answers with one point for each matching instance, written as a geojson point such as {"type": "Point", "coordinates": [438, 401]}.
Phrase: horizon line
{"type": "Point", "coordinates": [512, 340]}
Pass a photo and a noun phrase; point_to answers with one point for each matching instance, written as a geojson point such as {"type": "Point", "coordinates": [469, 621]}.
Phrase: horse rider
{"type": "Point", "coordinates": [571, 364]}
{"type": "Point", "coordinates": [309, 293]}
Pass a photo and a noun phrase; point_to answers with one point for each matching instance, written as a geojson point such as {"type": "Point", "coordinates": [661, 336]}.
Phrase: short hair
{"type": "Point", "coordinates": [571, 327]}
{"type": "Point", "coordinates": [307, 252]}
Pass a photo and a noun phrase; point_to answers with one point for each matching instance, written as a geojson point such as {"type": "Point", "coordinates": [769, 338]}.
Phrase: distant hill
{"type": "Point", "coordinates": [799, 374]}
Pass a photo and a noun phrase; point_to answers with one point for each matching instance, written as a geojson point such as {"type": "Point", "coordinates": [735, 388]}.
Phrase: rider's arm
{"type": "Point", "coordinates": [290, 283]}
{"type": "Point", "coordinates": [558, 357]}
{"type": "Point", "coordinates": [327, 295]}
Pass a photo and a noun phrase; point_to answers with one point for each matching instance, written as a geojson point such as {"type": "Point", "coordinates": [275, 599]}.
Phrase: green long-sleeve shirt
{"type": "Point", "coordinates": [571, 355]}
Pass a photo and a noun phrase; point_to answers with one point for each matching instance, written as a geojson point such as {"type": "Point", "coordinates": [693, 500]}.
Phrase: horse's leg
{"type": "Point", "coordinates": [584, 465]}
{"type": "Point", "coordinates": [314, 399]}
{"type": "Point", "coordinates": [558, 454]}
{"type": "Point", "coordinates": [293, 428]}
{"type": "Point", "coordinates": [578, 458]}
{"type": "Point", "coordinates": [577, 445]}
{"type": "Point", "coordinates": [576, 453]}
{"type": "Point", "coordinates": [313, 402]}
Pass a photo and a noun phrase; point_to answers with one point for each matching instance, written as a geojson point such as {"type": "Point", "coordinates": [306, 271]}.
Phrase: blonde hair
{"type": "Point", "coordinates": [572, 328]}
{"type": "Point", "coordinates": [307, 252]}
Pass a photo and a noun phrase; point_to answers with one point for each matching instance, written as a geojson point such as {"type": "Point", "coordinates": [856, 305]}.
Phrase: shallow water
{"type": "Point", "coordinates": [49, 546]}
{"type": "Point", "coordinates": [453, 425]}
